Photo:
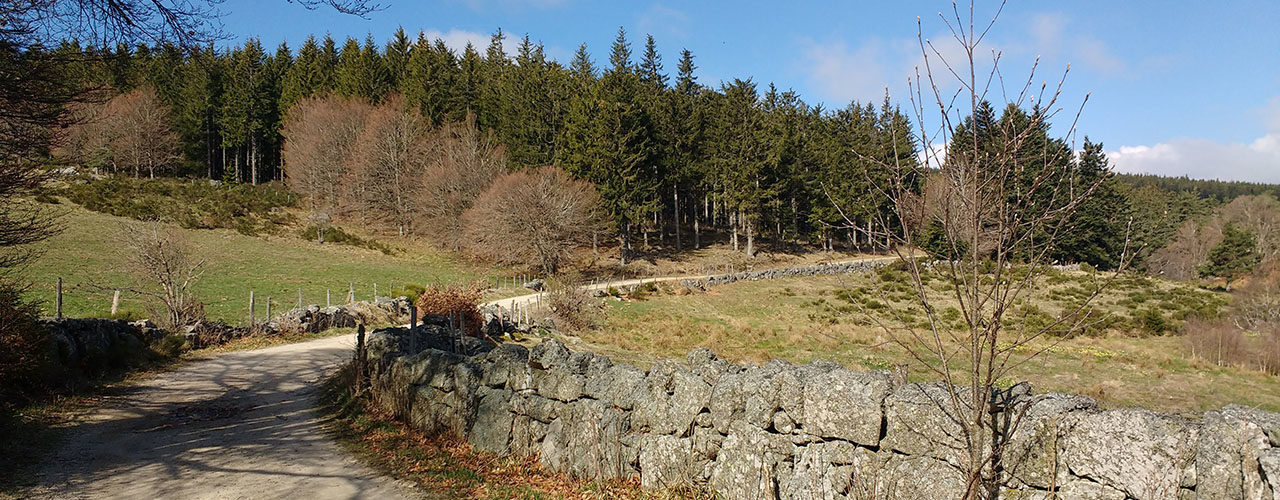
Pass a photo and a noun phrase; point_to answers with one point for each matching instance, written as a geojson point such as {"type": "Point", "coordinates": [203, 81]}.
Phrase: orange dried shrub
{"type": "Point", "coordinates": [453, 301]}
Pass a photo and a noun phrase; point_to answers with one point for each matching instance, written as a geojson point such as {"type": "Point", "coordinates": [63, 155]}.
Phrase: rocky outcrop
{"type": "Point", "coordinates": [814, 431]}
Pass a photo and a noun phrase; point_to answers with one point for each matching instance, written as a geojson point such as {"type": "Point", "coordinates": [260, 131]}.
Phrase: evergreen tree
{"type": "Point", "coordinates": [305, 76]}
{"type": "Point", "coordinates": [396, 60]}
{"type": "Point", "coordinates": [198, 109]}
{"type": "Point", "coordinates": [326, 70]}
{"type": "Point", "coordinates": [360, 71]}
{"type": "Point", "coordinates": [243, 106]}
{"type": "Point", "coordinates": [348, 74]}
{"type": "Point", "coordinates": [491, 95]}
{"type": "Point", "coordinates": [431, 81]}
{"type": "Point", "coordinates": [1095, 233]}
{"type": "Point", "coordinates": [470, 78]}
{"type": "Point", "coordinates": [1236, 256]}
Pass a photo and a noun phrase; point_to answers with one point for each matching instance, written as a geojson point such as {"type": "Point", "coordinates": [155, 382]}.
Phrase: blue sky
{"type": "Point", "coordinates": [1176, 87]}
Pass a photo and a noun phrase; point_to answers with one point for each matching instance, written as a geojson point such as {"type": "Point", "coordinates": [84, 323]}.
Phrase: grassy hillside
{"type": "Point", "coordinates": [87, 252]}
{"type": "Point", "coordinates": [1137, 359]}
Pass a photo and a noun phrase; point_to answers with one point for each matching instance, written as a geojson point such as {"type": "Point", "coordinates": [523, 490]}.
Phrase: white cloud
{"type": "Point", "coordinates": [1257, 161]}
{"type": "Point", "coordinates": [1204, 159]}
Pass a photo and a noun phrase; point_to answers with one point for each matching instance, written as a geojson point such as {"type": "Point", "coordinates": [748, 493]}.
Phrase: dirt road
{"type": "Point", "coordinates": [238, 426]}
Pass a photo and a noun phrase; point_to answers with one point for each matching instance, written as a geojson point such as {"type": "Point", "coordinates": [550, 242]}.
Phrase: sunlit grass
{"type": "Point", "coordinates": [802, 319]}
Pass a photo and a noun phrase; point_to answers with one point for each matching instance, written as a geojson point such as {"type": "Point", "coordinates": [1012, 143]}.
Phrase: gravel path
{"type": "Point", "coordinates": [238, 426]}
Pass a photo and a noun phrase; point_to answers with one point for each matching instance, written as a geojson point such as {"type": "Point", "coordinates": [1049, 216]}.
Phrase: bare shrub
{"type": "Point", "coordinates": [1248, 336]}
{"type": "Point", "coordinates": [161, 260]}
{"type": "Point", "coordinates": [454, 301]}
{"type": "Point", "coordinates": [572, 306]}
{"type": "Point", "coordinates": [461, 164]}
{"type": "Point", "coordinates": [320, 134]}
{"type": "Point", "coordinates": [534, 217]}
{"type": "Point", "coordinates": [1216, 341]}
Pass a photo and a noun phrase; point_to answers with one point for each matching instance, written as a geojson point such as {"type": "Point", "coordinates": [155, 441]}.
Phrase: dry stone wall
{"type": "Point", "coordinates": [789, 272]}
{"type": "Point", "coordinates": [814, 431]}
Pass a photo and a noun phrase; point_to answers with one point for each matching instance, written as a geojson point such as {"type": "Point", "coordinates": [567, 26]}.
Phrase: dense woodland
{"type": "Point", "coordinates": [671, 158]}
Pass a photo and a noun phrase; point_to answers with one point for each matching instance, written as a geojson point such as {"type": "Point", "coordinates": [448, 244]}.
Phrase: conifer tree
{"type": "Point", "coordinates": [349, 71]}
{"type": "Point", "coordinates": [242, 109]}
{"type": "Point", "coordinates": [470, 78]}
{"type": "Point", "coordinates": [490, 94]}
{"type": "Point", "coordinates": [1235, 256]}
{"type": "Point", "coordinates": [431, 80]}
{"type": "Point", "coordinates": [395, 59]}
{"type": "Point", "coordinates": [326, 70]}
{"type": "Point", "coordinates": [304, 77]}
{"type": "Point", "coordinates": [1096, 232]}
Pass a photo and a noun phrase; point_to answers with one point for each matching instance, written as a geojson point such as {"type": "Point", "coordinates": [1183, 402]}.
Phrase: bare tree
{"type": "Point", "coordinates": [130, 132]}
{"type": "Point", "coordinates": [1189, 248]}
{"type": "Point", "coordinates": [996, 205]}
{"type": "Point", "coordinates": [161, 260]}
{"type": "Point", "coordinates": [320, 135]}
{"type": "Point", "coordinates": [389, 164]}
{"type": "Point", "coordinates": [533, 217]}
{"type": "Point", "coordinates": [461, 164]}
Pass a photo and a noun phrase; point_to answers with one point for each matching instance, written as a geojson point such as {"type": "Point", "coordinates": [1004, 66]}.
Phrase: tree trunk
{"type": "Point", "coordinates": [622, 244]}
{"type": "Point", "coordinates": [733, 223]}
{"type": "Point", "coordinates": [675, 205]}
{"type": "Point", "coordinates": [697, 231]}
{"type": "Point", "coordinates": [253, 160]}
{"type": "Point", "coordinates": [751, 237]}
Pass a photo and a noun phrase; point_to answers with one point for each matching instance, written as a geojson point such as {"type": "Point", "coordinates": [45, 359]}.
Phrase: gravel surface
{"type": "Point", "coordinates": [241, 425]}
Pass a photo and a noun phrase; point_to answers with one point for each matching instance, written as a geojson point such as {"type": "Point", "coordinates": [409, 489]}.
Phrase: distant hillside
{"type": "Point", "coordinates": [1222, 191]}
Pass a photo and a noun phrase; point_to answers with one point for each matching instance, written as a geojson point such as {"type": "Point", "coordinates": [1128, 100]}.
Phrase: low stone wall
{"type": "Point", "coordinates": [789, 272]}
{"type": "Point", "coordinates": [86, 345]}
{"type": "Point", "coordinates": [803, 432]}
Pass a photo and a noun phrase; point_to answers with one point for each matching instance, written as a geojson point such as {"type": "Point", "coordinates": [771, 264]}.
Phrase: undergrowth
{"type": "Point", "coordinates": [192, 204]}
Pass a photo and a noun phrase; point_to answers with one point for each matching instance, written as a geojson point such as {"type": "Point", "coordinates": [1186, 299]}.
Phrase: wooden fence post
{"type": "Point", "coordinates": [267, 318]}
{"type": "Point", "coordinates": [375, 291]}
{"type": "Point", "coordinates": [413, 326]}
{"type": "Point", "coordinates": [299, 297]}
{"type": "Point", "coordinates": [115, 303]}
{"type": "Point", "coordinates": [327, 302]}
{"type": "Point", "coordinates": [351, 293]}
{"type": "Point", "coordinates": [59, 297]}
{"type": "Point", "coordinates": [250, 308]}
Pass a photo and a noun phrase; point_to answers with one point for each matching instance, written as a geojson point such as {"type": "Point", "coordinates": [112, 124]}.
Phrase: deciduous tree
{"type": "Point", "coordinates": [533, 217]}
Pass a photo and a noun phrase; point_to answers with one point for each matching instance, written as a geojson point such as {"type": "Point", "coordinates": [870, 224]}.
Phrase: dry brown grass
{"type": "Point", "coordinates": [801, 320]}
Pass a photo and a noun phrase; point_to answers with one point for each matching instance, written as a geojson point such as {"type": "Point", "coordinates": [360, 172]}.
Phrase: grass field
{"type": "Point", "coordinates": [88, 253]}
{"type": "Point", "coordinates": [802, 319]}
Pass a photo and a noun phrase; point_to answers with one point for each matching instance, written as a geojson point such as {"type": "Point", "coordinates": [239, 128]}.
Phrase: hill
{"type": "Point", "coordinates": [87, 255]}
